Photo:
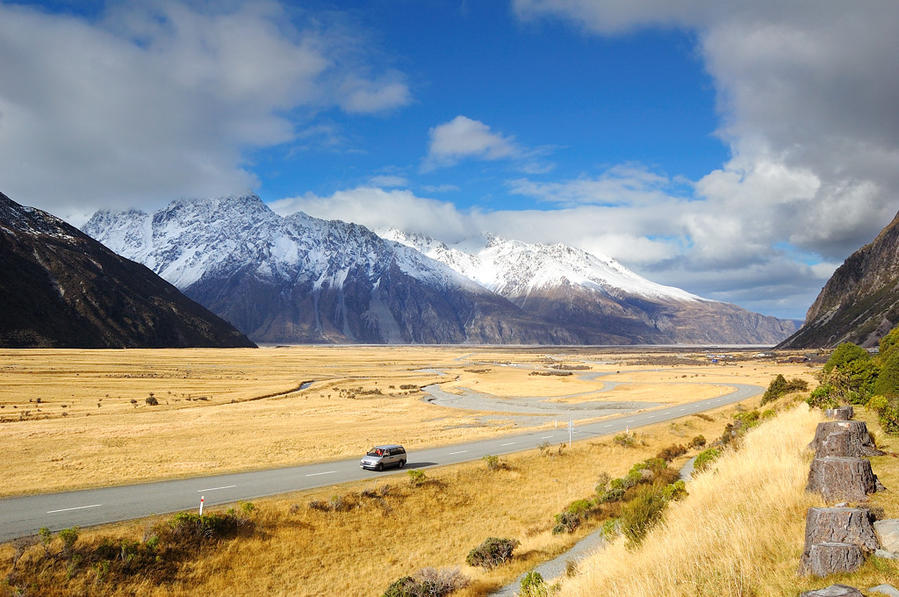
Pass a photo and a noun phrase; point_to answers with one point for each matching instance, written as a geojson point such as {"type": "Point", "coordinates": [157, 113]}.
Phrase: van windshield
{"type": "Point", "coordinates": [376, 452]}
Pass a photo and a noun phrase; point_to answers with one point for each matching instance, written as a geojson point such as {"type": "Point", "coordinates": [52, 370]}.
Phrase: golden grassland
{"type": "Point", "coordinates": [296, 550]}
{"type": "Point", "coordinates": [79, 418]}
{"type": "Point", "coordinates": [741, 529]}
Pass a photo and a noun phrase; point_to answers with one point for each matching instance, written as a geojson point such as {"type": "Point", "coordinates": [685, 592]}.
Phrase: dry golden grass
{"type": "Point", "coordinates": [299, 551]}
{"type": "Point", "coordinates": [739, 532]}
{"type": "Point", "coordinates": [356, 401]}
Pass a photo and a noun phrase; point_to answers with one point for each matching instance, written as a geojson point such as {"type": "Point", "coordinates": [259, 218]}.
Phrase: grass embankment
{"type": "Point", "coordinates": [373, 535]}
{"type": "Point", "coordinates": [741, 529]}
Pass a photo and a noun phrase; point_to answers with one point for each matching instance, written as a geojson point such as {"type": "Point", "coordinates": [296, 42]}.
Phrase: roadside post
{"type": "Point", "coordinates": [570, 430]}
{"type": "Point", "coordinates": [202, 499]}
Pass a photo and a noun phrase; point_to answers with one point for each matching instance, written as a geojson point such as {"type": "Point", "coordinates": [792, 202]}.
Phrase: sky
{"type": "Point", "coordinates": [738, 150]}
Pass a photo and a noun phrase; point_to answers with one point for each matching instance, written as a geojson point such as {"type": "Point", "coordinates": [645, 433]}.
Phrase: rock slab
{"type": "Point", "coordinates": [834, 591]}
{"type": "Point", "coordinates": [840, 525]}
{"type": "Point", "coordinates": [844, 438]}
{"type": "Point", "coordinates": [841, 479]}
{"type": "Point", "coordinates": [829, 558]}
{"type": "Point", "coordinates": [889, 590]}
{"type": "Point", "coordinates": [887, 532]}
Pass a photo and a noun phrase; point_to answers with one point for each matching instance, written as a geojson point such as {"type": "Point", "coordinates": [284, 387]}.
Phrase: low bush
{"type": "Point", "coordinates": [671, 452]}
{"type": "Point", "coordinates": [533, 585]}
{"type": "Point", "coordinates": [417, 478]}
{"type": "Point", "coordinates": [697, 442]}
{"type": "Point", "coordinates": [625, 440]}
{"type": "Point", "coordinates": [705, 459]}
{"type": "Point", "coordinates": [494, 463]}
{"type": "Point", "coordinates": [642, 513]}
{"type": "Point", "coordinates": [428, 582]}
{"type": "Point", "coordinates": [887, 410]}
{"type": "Point", "coordinates": [779, 387]}
{"type": "Point", "coordinates": [491, 553]}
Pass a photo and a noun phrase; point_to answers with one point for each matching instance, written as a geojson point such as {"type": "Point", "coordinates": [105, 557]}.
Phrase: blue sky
{"type": "Point", "coordinates": [740, 152]}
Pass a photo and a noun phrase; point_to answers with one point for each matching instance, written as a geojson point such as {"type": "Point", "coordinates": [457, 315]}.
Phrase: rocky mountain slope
{"type": "Point", "coordinates": [61, 288]}
{"type": "Point", "coordinates": [300, 279]}
{"type": "Point", "coordinates": [860, 302]}
{"type": "Point", "coordinates": [596, 297]}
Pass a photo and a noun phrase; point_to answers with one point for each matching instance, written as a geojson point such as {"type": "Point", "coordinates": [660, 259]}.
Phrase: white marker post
{"type": "Point", "coordinates": [570, 430]}
{"type": "Point", "coordinates": [202, 499]}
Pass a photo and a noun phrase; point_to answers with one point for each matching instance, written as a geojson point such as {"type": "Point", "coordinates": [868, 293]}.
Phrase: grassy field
{"type": "Point", "coordinates": [741, 529]}
{"type": "Point", "coordinates": [75, 419]}
{"type": "Point", "coordinates": [389, 529]}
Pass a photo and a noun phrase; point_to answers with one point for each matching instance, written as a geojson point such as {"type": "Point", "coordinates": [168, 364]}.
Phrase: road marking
{"type": "Point", "coordinates": [508, 444]}
{"type": "Point", "coordinates": [75, 508]}
{"type": "Point", "coordinates": [216, 488]}
{"type": "Point", "coordinates": [459, 452]}
{"type": "Point", "coordinates": [317, 474]}
{"type": "Point", "coordinates": [546, 437]}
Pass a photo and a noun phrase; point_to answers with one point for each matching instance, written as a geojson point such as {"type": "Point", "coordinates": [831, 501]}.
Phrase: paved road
{"type": "Point", "coordinates": [25, 515]}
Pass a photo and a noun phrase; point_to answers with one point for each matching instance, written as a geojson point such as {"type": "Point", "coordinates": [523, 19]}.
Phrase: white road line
{"type": "Point", "coordinates": [75, 508]}
{"type": "Point", "coordinates": [317, 474]}
{"type": "Point", "coordinates": [216, 488]}
{"type": "Point", "coordinates": [508, 444]}
{"type": "Point", "coordinates": [546, 437]}
{"type": "Point", "coordinates": [459, 452]}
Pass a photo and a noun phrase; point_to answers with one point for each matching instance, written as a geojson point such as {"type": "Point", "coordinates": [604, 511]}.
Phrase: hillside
{"type": "Point", "coordinates": [61, 288]}
{"type": "Point", "coordinates": [860, 302]}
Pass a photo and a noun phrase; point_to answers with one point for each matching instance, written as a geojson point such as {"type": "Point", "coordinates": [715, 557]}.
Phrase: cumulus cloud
{"type": "Point", "coordinates": [161, 99]}
{"type": "Point", "coordinates": [462, 138]}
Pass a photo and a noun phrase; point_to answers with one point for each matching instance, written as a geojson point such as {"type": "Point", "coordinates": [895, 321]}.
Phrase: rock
{"type": "Point", "coordinates": [887, 555]}
{"type": "Point", "coordinates": [841, 413]}
{"type": "Point", "coordinates": [829, 558]}
{"type": "Point", "coordinates": [840, 525]}
{"type": "Point", "coordinates": [839, 479]}
{"type": "Point", "coordinates": [887, 532]}
{"type": "Point", "coordinates": [843, 438]}
{"type": "Point", "coordinates": [885, 589]}
{"type": "Point", "coordinates": [834, 591]}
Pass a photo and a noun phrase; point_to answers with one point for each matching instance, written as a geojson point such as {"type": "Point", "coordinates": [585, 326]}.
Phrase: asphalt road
{"type": "Point", "coordinates": [22, 516]}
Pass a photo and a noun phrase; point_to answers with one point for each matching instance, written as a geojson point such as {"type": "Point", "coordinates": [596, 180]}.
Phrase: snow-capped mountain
{"type": "Point", "coordinates": [595, 296]}
{"type": "Point", "coordinates": [302, 279]}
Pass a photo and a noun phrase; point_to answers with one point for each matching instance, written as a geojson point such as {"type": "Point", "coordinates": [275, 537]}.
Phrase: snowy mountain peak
{"type": "Point", "coordinates": [515, 269]}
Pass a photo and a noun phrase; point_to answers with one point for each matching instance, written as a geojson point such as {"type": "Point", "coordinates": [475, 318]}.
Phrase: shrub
{"type": "Point", "coordinates": [417, 478]}
{"type": "Point", "coordinates": [625, 440]}
{"type": "Point", "coordinates": [642, 513]}
{"type": "Point", "coordinates": [533, 585]}
{"type": "Point", "coordinates": [824, 396]}
{"type": "Point", "coordinates": [779, 386]}
{"type": "Point", "coordinates": [151, 400]}
{"type": "Point", "coordinates": [491, 553]}
{"type": "Point", "coordinates": [492, 462]}
{"type": "Point", "coordinates": [428, 582]}
{"type": "Point", "coordinates": [705, 459]}
{"type": "Point", "coordinates": [887, 383]}
{"type": "Point", "coordinates": [697, 442]}
{"type": "Point", "coordinates": [69, 537]}
{"type": "Point", "coordinates": [610, 529]}
{"type": "Point", "coordinates": [671, 452]}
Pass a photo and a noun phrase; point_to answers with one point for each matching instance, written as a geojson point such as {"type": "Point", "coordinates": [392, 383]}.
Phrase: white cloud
{"type": "Point", "coordinates": [161, 99]}
{"type": "Point", "coordinates": [388, 181]}
{"type": "Point", "coordinates": [462, 138]}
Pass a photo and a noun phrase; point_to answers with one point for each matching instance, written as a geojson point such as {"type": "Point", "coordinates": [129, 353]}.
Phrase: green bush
{"type": "Point", "coordinates": [779, 386]}
{"type": "Point", "coordinates": [851, 372]}
{"type": "Point", "coordinates": [491, 553]}
{"type": "Point", "coordinates": [887, 383]}
{"type": "Point", "coordinates": [824, 396]}
{"type": "Point", "coordinates": [697, 442]}
{"type": "Point", "coordinates": [533, 585]}
{"type": "Point", "coordinates": [417, 478]}
{"type": "Point", "coordinates": [69, 537]}
{"type": "Point", "coordinates": [428, 582]}
{"type": "Point", "coordinates": [705, 459]}
{"type": "Point", "coordinates": [625, 440]}
{"type": "Point", "coordinates": [640, 514]}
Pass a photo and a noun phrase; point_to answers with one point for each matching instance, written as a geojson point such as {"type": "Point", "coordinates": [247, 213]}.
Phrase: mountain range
{"type": "Point", "coordinates": [299, 279]}
{"type": "Point", "coordinates": [860, 302]}
{"type": "Point", "coordinates": [61, 288]}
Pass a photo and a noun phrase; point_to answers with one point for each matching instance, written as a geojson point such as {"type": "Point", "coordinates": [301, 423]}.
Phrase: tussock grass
{"type": "Point", "coordinates": [739, 532]}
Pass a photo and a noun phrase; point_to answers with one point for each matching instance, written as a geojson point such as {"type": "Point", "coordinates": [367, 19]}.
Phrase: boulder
{"type": "Point", "coordinates": [840, 525]}
{"type": "Point", "coordinates": [843, 438]}
{"type": "Point", "coordinates": [885, 589]}
{"type": "Point", "coordinates": [833, 591]}
{"type": "Point", "coordinates": [887, 532]}
{"type": "Point", "coordinates": [842, 479]}
{"type": "Point", "coordinates": [887, 555]}
{"type": "Point", "coordinates": [840, 413]}
{"type": "Point", "coordinates": [823, 559]}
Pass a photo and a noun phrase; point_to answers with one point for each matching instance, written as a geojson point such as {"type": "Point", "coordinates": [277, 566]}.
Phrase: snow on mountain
{"type": "Point", "coordinates": [514, 268]}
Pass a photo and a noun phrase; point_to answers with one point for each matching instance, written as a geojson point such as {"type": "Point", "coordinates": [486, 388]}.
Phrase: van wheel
{"type": "Point", "coordinates": [380, 467]}
{"type": "Point", "coordinates": [402, 463]}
